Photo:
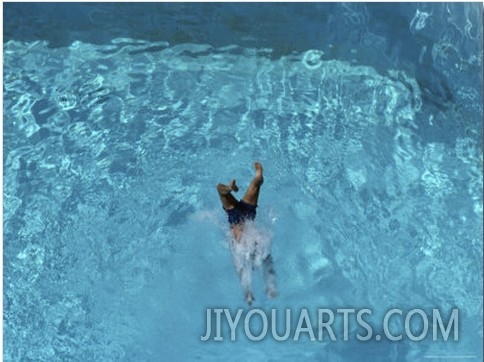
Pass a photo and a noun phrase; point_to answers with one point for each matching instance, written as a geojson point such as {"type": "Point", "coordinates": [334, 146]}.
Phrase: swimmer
{"type": "Point", "coordinates": [248, 252]}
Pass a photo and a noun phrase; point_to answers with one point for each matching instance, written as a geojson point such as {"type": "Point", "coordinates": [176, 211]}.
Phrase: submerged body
{"type": "Point", "coordinates": [248, 248]}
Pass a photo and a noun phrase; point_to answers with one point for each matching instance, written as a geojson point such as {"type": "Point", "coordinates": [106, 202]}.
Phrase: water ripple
{"type": "Point", "coordinates": [104, 167]}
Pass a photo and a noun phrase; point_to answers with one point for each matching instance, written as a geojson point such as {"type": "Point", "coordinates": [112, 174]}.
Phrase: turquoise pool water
{"type": "Point", "coordinates": [115, 242]}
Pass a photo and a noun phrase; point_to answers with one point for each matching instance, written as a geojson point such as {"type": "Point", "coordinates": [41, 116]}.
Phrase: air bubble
{"type": "Point", "coordinates": [313, 59]}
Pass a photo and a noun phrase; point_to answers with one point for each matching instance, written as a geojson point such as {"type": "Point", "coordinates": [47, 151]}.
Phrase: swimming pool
{"type": "Point", "coordinates": [120, 119]}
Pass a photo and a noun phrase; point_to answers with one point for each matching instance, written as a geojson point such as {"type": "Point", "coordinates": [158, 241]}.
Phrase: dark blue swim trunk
{"type": "Point", "coordinates": [241, 212]}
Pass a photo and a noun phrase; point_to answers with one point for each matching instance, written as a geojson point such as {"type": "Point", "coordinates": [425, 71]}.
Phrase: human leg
{"type": "Point", "coordinates": [269, 276]}
{"type": "Point", "coordinates": [252, 195]}
{"type": "Point", "coordinates": [224, 192]}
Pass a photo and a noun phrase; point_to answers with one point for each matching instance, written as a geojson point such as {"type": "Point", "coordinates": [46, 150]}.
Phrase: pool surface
{"type": "Point", "coordinates": [120, 119]}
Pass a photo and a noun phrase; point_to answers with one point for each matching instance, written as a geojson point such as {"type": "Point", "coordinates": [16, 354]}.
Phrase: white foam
{"type": "Point", "coordinates": [252, 247]}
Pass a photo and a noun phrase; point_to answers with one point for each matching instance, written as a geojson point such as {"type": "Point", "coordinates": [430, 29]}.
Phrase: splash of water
{"type": "Point", "coordinates": [253, 247]}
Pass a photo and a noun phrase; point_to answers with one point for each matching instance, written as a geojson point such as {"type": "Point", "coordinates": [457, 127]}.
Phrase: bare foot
{"type": "Point", "coordinates": [224, 189]}
{"type": "Point", "coordinates": [258, 172]}
{"type": "Point", "coordinates": [233, 186]}
{"type": "Point", "coordinates": [249, 297]}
